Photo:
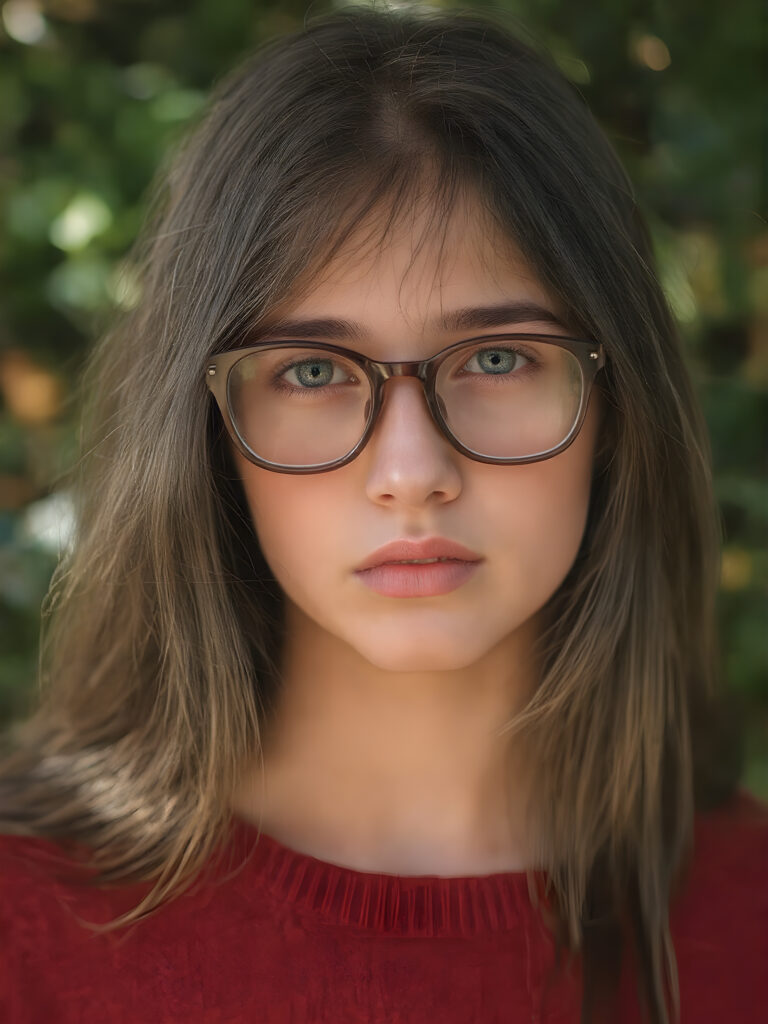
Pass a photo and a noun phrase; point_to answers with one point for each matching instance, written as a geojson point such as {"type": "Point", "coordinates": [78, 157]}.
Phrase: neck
{"type": "Point", "coordinates": [399, 772]}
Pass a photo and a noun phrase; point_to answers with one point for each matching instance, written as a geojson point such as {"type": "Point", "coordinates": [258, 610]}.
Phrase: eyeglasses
{"type": "Point", "coordinates": [309, 407]}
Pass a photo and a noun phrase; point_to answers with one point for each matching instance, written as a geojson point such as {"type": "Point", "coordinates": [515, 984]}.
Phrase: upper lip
{"type": "Point", "coordinates": [433, 547]}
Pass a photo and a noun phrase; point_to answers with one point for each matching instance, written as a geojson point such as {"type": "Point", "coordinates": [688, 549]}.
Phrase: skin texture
{"type": "Point", "coordinates": [383, 754]}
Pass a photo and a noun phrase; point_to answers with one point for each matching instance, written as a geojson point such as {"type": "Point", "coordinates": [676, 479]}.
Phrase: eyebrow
{"type": "Point", "coordinates": [469, 318]}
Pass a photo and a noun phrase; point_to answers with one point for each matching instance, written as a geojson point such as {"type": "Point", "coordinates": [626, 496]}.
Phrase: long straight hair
{"type": "Point", "coordinates": [163, 624]}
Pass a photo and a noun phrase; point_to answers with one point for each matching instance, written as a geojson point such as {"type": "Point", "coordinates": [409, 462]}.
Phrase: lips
{"type": "Point", "coordinates": [433, 547]}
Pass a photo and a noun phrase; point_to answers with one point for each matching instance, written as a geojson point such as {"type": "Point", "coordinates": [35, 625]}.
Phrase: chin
{"type": "Point", "coordinates": [422, 661]}
{"type": "Point", "coordinates": [442, 651]}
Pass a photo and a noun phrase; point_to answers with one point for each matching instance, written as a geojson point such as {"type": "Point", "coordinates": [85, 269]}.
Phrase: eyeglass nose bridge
{"type": "Point", "coordinates": [423, 370]}
{"type": "Point", "coordinates": [402, 369]}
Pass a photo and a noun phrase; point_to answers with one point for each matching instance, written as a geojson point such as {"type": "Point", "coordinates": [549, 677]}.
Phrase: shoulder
{"type": "Point", "coordinates": [725, 886]}
{"type": "Point", "coordinates": [29, 872]}
{"type": "Point", "coordinates": [731, 844]}
{"type": "Point", "coordinates": [719, 918]}
{"type": "Point", "coordinates": [30, 865]}
{"type": "Point", "coordinates": [44, 895]}
{"type": "Point", "coordinates": [728, 872]}
{"type": "Point", "coordinates": [34, 924]}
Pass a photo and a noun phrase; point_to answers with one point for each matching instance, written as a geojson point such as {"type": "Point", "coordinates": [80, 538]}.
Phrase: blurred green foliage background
{"type": "Point", "coordinates": [92, 92]}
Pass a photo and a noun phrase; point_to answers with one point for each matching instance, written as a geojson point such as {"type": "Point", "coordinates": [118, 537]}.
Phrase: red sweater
{"type": "Point", "coordinates": [291, 938]}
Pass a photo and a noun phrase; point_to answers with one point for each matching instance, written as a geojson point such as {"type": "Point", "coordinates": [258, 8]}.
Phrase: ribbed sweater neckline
{"type": "Point", "coordinates": [405, 905]}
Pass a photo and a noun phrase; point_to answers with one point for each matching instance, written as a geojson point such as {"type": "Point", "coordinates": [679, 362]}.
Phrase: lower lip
{"type": "Point", "coordinates": [417, 580]}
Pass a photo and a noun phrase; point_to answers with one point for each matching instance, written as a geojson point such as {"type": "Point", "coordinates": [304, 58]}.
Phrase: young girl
{"type": "Point", "coordinates": [398, 307]}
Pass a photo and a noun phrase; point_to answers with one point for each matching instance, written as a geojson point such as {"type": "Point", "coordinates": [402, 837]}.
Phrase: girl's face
{"type": "Point", "coordinates": [525, 521]}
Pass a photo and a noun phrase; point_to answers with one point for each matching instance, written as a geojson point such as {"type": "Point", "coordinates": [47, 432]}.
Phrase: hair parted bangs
{"type": "Point", "coordinates": [160, 654]}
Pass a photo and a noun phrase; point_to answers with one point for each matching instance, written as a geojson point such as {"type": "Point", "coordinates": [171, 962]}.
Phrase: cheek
{"type": "Point", "coordinates": [540, 512]}
{"type": "Point", "coordinates": [293, 520]}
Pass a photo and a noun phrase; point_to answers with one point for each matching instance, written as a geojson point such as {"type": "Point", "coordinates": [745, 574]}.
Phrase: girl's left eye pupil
{"type": "Point", "coordinates": [492, 359]}
{"type": "Point", "coordinates": [311, 371]}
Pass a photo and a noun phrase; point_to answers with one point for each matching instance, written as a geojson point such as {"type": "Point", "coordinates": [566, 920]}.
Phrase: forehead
{"type": "Point", "coordinates": [415, 270]}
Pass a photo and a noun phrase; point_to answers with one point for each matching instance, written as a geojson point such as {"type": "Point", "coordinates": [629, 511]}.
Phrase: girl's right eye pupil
{"type": "Point", "coordinates": [313, 372]}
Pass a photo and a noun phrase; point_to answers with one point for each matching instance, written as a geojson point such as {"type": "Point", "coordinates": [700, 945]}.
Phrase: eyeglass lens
{"type": "Point", "coordinates": [305, 407]}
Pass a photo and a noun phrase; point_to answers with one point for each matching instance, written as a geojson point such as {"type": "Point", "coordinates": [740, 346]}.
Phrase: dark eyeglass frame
{"type": "Point", "coordinates": [590, 355]}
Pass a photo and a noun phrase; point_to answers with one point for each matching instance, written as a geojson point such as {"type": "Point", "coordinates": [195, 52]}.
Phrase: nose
{"type": "Point", "coordinates": [409, 460]}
